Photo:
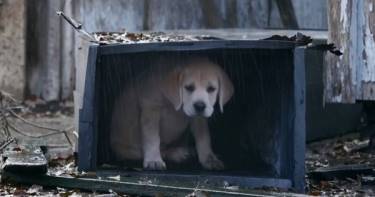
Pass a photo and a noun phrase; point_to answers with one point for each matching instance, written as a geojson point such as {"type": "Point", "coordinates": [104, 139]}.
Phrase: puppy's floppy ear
{"type": "Point", "coordinates": [226, 89]}
{"type": "Point", "coordinates": [171, 88]}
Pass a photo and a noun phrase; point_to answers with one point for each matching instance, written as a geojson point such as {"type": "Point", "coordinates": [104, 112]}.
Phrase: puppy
{"type": "Point", "coordinates": [153, 112]}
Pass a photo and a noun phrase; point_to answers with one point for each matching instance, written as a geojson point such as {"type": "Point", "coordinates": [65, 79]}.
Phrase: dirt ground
{"type": "Point", "coordinates": [59, 116]}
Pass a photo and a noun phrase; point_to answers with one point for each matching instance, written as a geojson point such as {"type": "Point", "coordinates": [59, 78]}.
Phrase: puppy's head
{"type": "Point", "coordinates": [197, 86]}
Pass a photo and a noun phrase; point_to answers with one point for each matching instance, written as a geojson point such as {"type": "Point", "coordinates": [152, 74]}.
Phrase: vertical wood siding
{"type": "Point", "coordinates": [351, 77]}
{"type": "Point", "coordinates": [12, 41]}
{"type": "Point", "coordinates": [60, 52]}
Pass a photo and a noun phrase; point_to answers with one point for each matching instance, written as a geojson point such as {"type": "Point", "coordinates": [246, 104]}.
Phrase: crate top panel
{"type": "Point", "coordinates": [193, 46]}
{"type": "Point", "coordinates": [192, 40]}
{"type": "Point", "coordinates": [196, 34]}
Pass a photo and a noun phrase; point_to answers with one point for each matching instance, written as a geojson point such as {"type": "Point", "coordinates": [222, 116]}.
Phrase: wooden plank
{"type": "Point", "coordinates": [30, 161]}
{"type": "Point", "coordinates": [368, 91]}
{"type": "Point", "coordinates": [87, 142]}
{"type": "Point", "coordinates": [114, 15]}
{"type": "Point", "coordinates": [146, 10]}
{"type": "Point", "coordinates": [211, 15]}
{"type": "Point", "coordinates": [298, 133]}
{"type": "Point", "coordinates": [12, 50]}
{"type": "Point", "coordinates": [204, 178]}
{"type": "Point", "coordinates": [287, 14]}
{"type": "Point", "coordinates": [135, 188]}
{"type": "Point", "coordinates": [51, 61]}
{"type": "Point", "coordinates": [42, 76]}
{"type": "Point", "coordinates": [44, 49]}
{"type": "Point", "coordinates": [324, 120]}
{"type": "Point", "coordinates": [28, 166]}
{"type": "Point", "coordinates": [311, 14]}
{"type": "Point", "coordinates": [67, 53]}
{"type": "Point", "coordinates": [35, 19]}
{"type": "Point", "coordinates": [351, 77]}
{"type": "Point", "coordinates": [231, 19]}
{"type": "Point", "coordinates": [256, 14]}
{"type": "Point", "coordinates": [342, 171]}
{"type": "Point", "coordinates": [193, 14]}
{"type": "Point", "coordinates": [254, 34]}
{"type": "Point", "coordinates": [340, 73]}
{"type": "Point", "coordinates": [367, 61]}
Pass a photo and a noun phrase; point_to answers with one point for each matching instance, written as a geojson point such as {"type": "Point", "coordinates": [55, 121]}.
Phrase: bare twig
{"type": "Point", "coordinates": [6, 143]}
{"type": "Point", "coordinates": [37, 125]}
{"type": "Point", "coordinates": [67, 138]}
{"type": "Point", "coordinates": [78, 27]}
{"type": "Point", "coordinates": [70, 20]}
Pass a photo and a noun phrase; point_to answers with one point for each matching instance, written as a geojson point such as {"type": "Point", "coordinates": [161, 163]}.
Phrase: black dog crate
{"type": "Point", "coordinates": [260, 137]}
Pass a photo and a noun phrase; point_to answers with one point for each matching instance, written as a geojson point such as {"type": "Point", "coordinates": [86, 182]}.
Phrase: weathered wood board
{"type": "Point", "coordinates": [139, 187]}
{"type": "Point", "coordinates": [29, 166]}
{"type": "Point", "coordinates": [49, 50]}
{"type": "Point", "coordinates": [351, 77]}
{"type": "Point", "coordinates": [52, 47]}
{"type": "Point", "coordinates": [28, 161]}
{"type": "Point", "coordinates": [341, 171]}
{"type": "Point", "coordinates": [12, 50]}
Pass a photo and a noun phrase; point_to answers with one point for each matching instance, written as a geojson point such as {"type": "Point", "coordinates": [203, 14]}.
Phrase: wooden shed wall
{"type": "Point", "coordinates": [12, 41]}
{"type": "Point", "coordinates": [351, 77]}
{"type": "Point", "coordinates": [55, 50]}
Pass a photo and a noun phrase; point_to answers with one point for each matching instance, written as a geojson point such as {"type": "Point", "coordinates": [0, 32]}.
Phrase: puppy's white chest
{"type": "Point", "coordinates": [172, 125]}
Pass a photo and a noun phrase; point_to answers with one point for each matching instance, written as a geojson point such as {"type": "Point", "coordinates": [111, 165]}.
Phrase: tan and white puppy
{"type": "Point", "coordinates": [154, 112]}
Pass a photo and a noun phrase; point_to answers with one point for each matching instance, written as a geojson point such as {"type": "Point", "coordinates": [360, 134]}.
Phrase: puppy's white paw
{"type": "Point", "coordinates": [211, 162]}
{"type": "Point", "coordinates": [154, 165]}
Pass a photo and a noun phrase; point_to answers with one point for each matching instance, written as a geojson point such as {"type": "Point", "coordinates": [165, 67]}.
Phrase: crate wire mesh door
{"type": "Point", "coordinates": [260, 137]}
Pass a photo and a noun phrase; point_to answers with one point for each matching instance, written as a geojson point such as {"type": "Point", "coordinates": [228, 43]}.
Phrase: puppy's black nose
{"type": "Point", "coordinates": [199, 106]}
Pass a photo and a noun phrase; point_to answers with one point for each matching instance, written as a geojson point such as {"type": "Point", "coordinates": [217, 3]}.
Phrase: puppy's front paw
{"type": "Point", "coordinates": [154, 165]}
{"type": "Point", "coordinates": [211, 162]}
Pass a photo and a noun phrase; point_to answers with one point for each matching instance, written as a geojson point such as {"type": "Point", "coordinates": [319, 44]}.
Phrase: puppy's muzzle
{"type": "Point", "coordinates": [199, 107]}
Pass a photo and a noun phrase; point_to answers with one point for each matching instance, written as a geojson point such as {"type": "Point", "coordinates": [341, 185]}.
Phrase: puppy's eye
{"type": "Point", "coordinates": [211, 89]}
{"type": "Point", "coordinates": [190, 88]}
